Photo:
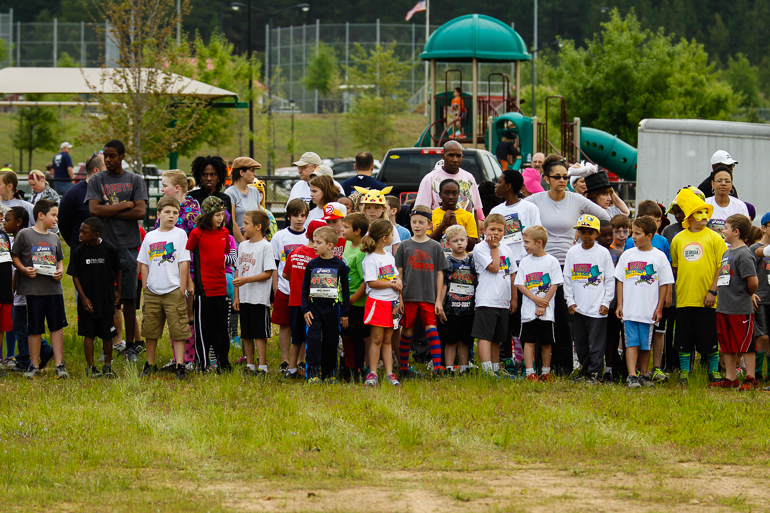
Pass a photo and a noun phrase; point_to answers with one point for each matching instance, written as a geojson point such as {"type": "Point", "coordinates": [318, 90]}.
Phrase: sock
{"type": "Point", "coordinates": [293, 371]}
{"type": "Point", "coordinates": [435, 346]}
{"type": "Point", "coordinates": [684, 362]}
{"type": "Point", "coordinates": [251, 366]}
{"type": "Point", "coordinates": [463, 368]}
{"type": "Point", "coordinates": [486, 366]}
{"type": "Point", "coordinates": [608, 370]}
{"type": "Point", "coordinates": [760, 362]}
{"type": "Point", "coordinates": [530, 371]}
{"type": "Point", "coordinates": [263, 367]}
{"type": "Point", "coordinates": [496, 367]}
{"type": "Point", "coordinates": [546, 370]}
{"type": "Point", "coordinates": [713, 360]}
{"type": "Point", "coordinates": [403, 350]}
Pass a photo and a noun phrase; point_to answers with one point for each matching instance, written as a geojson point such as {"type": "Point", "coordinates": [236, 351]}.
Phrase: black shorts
{"type": "Point", "coordinates": [90, 327]}
{"type": "Point", "coordinates": [456, 328]}
{"type": "Point", "coordinates": [761, 320]}
{"type": "Point", "coordinates": [696, 329]}
{"type": "Point", "coordinates": [255, 321]}
{"type": "Point", "coordinates": [490, 324]}
{"type": "Point", "coordinates": [298, 325]}
{"type": "Point", "coordinates": [356, 328]}
{"type": "Point", "coordinates": [42, 309]}
{"type": "Point", "coordinates": [537, 331]}
{"type": "Point", "coordinates": [660, 327]}
{"type": "Point", "coordinates": [138, 298]}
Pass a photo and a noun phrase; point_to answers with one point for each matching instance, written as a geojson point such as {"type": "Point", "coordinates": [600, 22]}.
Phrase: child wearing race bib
{"type": "Point", "coordinates": [448, 214]}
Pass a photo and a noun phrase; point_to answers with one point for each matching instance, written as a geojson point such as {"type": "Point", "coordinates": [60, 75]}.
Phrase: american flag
{"type": "Point", "coordinates": [419, 6]}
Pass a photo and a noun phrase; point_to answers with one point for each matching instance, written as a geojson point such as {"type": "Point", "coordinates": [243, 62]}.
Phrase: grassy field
{"type": "Point", "coordinates": [312, 133]}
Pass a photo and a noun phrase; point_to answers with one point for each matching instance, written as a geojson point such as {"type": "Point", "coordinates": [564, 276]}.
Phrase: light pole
{"type": "Point", "coordinates": [236, 5]}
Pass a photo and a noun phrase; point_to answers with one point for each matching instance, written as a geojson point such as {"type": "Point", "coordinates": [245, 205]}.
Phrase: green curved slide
{"type": "Point", "coordinates": [609, 152]}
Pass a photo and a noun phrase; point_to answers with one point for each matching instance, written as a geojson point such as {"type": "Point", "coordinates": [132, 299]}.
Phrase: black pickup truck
{"type": "Point", "coordinates": [404, 168]}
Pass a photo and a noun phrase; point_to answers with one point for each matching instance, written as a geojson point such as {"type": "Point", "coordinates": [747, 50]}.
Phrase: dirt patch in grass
{"type": "Point", "coordinates": [680, 487]}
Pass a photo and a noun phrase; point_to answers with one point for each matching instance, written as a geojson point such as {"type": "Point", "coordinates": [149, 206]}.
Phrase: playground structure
{"type": "Point", "coordinates": [477, 38]}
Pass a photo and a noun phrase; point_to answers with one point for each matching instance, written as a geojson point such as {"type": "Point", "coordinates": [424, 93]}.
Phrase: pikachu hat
{"type": "Point", "coordinates": [373, 196]}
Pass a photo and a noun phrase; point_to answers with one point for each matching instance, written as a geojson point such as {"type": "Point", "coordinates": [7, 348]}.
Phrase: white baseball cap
{"type": "Point", "coordinates": [323, 170]}
{"type": "Point", "coordinates": [308, 158]}
{"type": "Point", "coordinates": [722, 157]}
{"type": "Point", "coordinates": [65, 145]}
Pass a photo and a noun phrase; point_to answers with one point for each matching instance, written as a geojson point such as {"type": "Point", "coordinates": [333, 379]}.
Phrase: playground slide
{"type": "Point", "coordinates": [610, 152]}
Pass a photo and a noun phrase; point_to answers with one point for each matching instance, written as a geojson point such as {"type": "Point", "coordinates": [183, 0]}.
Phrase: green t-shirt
{"type": "Point", "coordinates": [354, 257]}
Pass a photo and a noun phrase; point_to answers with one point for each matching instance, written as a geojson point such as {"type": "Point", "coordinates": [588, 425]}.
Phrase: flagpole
{"type": "Point", "coordinates": [427, 34]}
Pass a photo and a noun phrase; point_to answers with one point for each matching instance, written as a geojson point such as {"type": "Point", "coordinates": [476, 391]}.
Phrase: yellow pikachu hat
{"type": "Point", "coordinates": [373, 196]}
{"type": "Point", "coordinates": [260, 186]}
{"type": "Point", "coordinates": [690, 203]}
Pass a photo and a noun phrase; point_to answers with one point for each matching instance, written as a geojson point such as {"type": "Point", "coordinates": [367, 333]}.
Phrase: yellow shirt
{"type": "Point", "coordinates": [696, 256]}
{"type": "Point", "coordinates": [464, 218]}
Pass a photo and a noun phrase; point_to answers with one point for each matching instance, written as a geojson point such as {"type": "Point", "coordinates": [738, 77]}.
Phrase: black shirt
{"type": "Point", "coordinates": [326, 277]}
{"type": "Point", "coordinates": [95, 267]}
{"type": "Point", "coordinates": [201, 194]}
{"type": "Point", "coordinates": [6, 276]}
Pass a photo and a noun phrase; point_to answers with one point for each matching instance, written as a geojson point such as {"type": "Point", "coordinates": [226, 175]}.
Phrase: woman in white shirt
{"type": "Point", "coordinates": [724, 204]}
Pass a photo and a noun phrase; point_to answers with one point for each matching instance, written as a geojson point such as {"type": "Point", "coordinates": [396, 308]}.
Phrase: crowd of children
{"type": "Point", "coordinates": [344, 275]}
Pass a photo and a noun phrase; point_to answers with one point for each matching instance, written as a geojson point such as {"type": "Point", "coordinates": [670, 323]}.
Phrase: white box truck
{"type": "Point", "coordinates": [674, 153]}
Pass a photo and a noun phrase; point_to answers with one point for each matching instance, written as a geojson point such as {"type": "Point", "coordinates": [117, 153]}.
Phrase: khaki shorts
{"type": "Point", "coordinates": [159, 308]}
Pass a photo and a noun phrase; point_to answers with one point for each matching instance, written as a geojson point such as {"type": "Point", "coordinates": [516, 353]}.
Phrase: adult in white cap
{"type": "Point", "coordinates": [62, 169]}
{"type": "Point", "coordinates": [308, 165]}
{"type": "Point", "coordinates": [719, 158]}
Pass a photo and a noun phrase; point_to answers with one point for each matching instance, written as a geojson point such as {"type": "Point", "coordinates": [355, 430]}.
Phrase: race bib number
{"type": "Point", "coordinates": [44, 260]}
{"type": "Point", "coordinates": [461, 289]}
{"type": "Point", "coordinates": [723, 280]}
{"type": "Point", "coordinates": [513, 229]}
{"type": "Point", "coordinates": [323, 283]}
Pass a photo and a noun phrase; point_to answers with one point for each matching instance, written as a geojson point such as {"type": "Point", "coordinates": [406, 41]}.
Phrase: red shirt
{"type": "Point", "coordinates": [339, 248]}
{"type": "Point", "coordinates": [209, 248]}
{"type": "Point", "coordinates": [295, 272]}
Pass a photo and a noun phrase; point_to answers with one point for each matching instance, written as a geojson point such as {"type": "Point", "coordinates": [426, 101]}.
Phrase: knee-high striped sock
{"type": "Point", "coordinates": [403, 350]}
{"type": "Point", "coordinates": [434, 344]}
{"type": "Point", "coordinates": [713, 360]}
{"type": "Point", "coordinates": [684, 362]}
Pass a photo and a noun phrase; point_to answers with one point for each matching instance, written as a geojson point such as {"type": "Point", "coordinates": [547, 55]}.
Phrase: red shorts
{"type": "Point", "coordinates": [424, 310]}
{"type": "Point", "coordinates": [735, 333]}
{"type": "Point", "coordinates": [378, 313]}
{"type": "Point", "coordinates": [281, 310]}
{"type": "Point", "coordinates": [6, 317]}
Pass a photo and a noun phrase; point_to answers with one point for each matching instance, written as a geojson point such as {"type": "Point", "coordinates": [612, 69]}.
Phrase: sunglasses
{"type": "Point", "coordinates": [559, 177]}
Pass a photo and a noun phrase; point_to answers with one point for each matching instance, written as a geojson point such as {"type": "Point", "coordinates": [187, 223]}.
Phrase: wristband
{"type": "Point", "coordinates": [713, 293]}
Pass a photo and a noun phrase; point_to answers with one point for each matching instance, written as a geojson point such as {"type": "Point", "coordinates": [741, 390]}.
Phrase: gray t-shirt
{"type": "Point", "coordinates": [559, 217]}
{"type": "Point", "coordinates": [734, 298]}
{"type": "Point", "coordinates": [111, 190]}
{"type": "Point", "coordinates": [37, 250]}
{"type": "Point", "coordinates": [763, 271]}
{"type": "Point", "coordinates": [243, 202]}
{"type": "Point", "coordinates": [421, 261]}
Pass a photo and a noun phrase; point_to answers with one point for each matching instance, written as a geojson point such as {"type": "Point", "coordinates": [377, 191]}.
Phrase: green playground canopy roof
{"type": "Point", "coordinates": [475, 35]}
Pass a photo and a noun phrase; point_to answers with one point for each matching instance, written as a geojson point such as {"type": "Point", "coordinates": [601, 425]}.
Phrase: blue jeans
{"type": "Point", "coordinates": [19, 337]}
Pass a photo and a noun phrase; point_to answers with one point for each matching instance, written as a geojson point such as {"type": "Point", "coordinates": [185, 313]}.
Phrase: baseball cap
{"type": "Point", "coordinates": [65, 145]}
{"type": "Point", "coordinates": [588, 221]}
{"type": "Point", "coordinates": [334, 210]}
{"type": "Point", "coordinates": [323, 170]}
{"type": "Point", "coordinates": [766, 219]}
{"type": "Point", "coordinates": [308, 158]}
{"type": "Point", "coordinates": [312, 227]}
{"type": "Point", "coordinates": [722, 157]}
{"type": "Point", "coordinates": [532, 180]}
{"type": "Point", "coordinates": [246, 163]}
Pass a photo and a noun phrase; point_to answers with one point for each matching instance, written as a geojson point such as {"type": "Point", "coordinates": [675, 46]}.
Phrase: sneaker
{"type": "Point", "coordinates": [392, 379]}
{"type": "Point", "coordinates": [533, 378]}
{"type": "Point", "coordinates": [607, 378]}
{"type": "Point", "coordinates": [119, 349]}
{"type": "Point", "coordinates": [439, 371]}
{"type": "Point", "coordinates": [169, 367]}
{"type": "Point", "coordinates": [725, 383]}
{"type": "Point", "coordinates": [510, 366]}
{"type": "Point", "coordinates": [130, 355]}
{"type": "Point", "coordinates": [301, 367]}
{"type": "Point", "coordinates": [715, 377]}
{"type": "Point", "coordinates": [189, 367]}
{"type": "Point", "coordinates": [646, 381]}
{"type": "Point", "coordinates": [180, 372]}
{"type": "Point", "coordinates": [93, 372]}
{"type": "Point", "coordinates": [546, 378]}
{"type": "Point", "coordinates": [9, 362]}
{"type": "Point", "coordinates": [44, 360]}
{"type": "Point", "coordinates": [491, 375]}
{"type": "Point", "coordinates": [291, 375]}
{"type": "Point", "coordinates": [592, 380]}
{"type": "Point", "coordinates": [684, 378]}
{"type": "Point", "coordinates": [750, 383]}
{"type": "Point", "coordinates": [409, 373]}
{"type": "Point", "coordinates": [241, 361]}
{"type": "Point", "coordinates": [249, 372]}
{"type": "Point", "coordinates": [108, 373]}
{"type": "Point", "coordinates": [577, 378]}
{"type": "Point", "coordinates": [147, 370]}
{"type": "Point", "coordinates": [315, 380]}
{"type": "Point", "coordinates": [61, 371]}
{"type": "Point", "coordinates": [331, 381]}
{"type": "Point", "coordinates": [261, 373]}
{"type": "Point", "coordinates": [633, 382]}
{"type": "Point", "coordinates": [766, 389]}
{"type": "Point", "coordinates": [658, 376]}
{"type": "Point", "coordinates": [32, 372]}
{"type": "Point", "coordinates": [371, 380]}
{"type": "Point", "coordinates": [283, 367]}
{"type": "Point", "coordinates": [19, 368]}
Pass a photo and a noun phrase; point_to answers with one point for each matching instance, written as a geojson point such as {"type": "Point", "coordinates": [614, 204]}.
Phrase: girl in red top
{"type": "Point", "coordinates": [209, 243]}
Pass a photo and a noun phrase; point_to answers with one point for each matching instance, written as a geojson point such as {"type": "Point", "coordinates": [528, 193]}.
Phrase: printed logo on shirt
{"type": "Point", "coordinates": [420, 261]}
{"type": "Point", "coordinates": [95, 261]}
{"type": "Point", "coordinates": [642, 270]}
{"type": "Point", "coordinates": [288, 249]}
{"type": "Point", "coordinates": [386, 273]}
{"type": "Point", "coordinates": [245, 261]}
{"type": "Point", "coordinates": [505, 265]}
{"type": "Point", "coordinates": [164, 251]}
{"type": "Point", "coordinates": [111, 190]}
{"type": "Point", "coordinates": [588, 273]}
{"type": "Point", "coordinates": [692, 252]}
{"type": "Point", "coordinates": [464, 201]}
{"type": "Point", "coordinates": [538, 283]}
{"type": "Point", "coordinates": [718, 225]}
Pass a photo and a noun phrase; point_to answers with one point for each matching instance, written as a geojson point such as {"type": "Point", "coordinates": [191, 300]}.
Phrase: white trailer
{"type": "Point", "coordinates": [674, 153]}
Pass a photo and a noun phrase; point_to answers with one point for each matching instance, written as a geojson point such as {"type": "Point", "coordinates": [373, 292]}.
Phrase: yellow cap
{"type": "Point", "coordinates": [690, 203]}
{"type": "Point", "coordinates": [588, 221]}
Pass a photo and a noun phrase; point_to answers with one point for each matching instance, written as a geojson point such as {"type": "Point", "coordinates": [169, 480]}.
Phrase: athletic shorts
{"type": "Point", "coordinates": [90, 327]}
{"type": "Point", "coordinates": [660, 326]}
{"type": "Point", "coordinates": [129, 273]}
{"type": "Point", "coordinates": [138, 298]}
{"type": "Point", "coordinates": [762, 321]}
{"type": "Point", "coordinates": [6, 317]}
{"type": "Point", "coordinates": [491, 324]}
{"type": "Point", "coordinates": [158, 309]}
{"type": "Point", "coordinates": [426, 311]}
{"type": "Point", "coordinates": [255, 321]}
{"type": "Point", "coordinates": [696, 329]}
{"type": "Point", "coordinates": [356, 328]}
{"type": "Point", "coordinates": [735, 333]}
{"type": "Point", "coordinates": [456, 328]}
{"type": "Point", "coordinates": [537, 331]}
{"type": "Point", "coordinates": [42, 309]}
{"type": "Point", "coordinates": [638, 334]}
{"type": "Point", "coordinates": [281, 315]}
{"type": "Point", "coordinates": [298, 325]}
{"type": "Point", "coordinates": [378, 313]}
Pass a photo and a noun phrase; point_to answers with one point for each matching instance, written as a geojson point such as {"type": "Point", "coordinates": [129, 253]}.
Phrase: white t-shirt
{"type": "Point", "coordinates": [538, 274]}
{"type": "Point", "coordinates": [717, 222]}
{"type": "Point", "coordinates": [301, 190]}
{"type": "Point", "coordinates": [494, 289]}
{"type": "Point", "coordinates": [518, 217]}
{"type": "Point", "coordinates": [283, 243]}
{"type": "Point", "coordinates": [255, 258]}
{"type": "Point", "coordinates": [162, 252]}
{"type": "Point", "coordinates": [589, 279]}
{"type": "Point", "coordinates": [316, 213]}
{"type": "Point", "coordinates": [642, 274]}
{"type": "Point", "coordinates": [380, 268]}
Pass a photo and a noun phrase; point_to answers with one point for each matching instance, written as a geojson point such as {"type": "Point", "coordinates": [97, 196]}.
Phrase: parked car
{"type": "Point", "coordinates": [404, 168]}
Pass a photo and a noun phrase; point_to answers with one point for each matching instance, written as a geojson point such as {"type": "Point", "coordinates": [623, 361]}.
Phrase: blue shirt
{"type": "Point", "coordinates": [365, 181]}
{"type": "Point", "coordinates": [658, 241]}
{"type": "Point", "coordinates": [403, 233]}
{"type": "Point", "coordinates": [61, 162]}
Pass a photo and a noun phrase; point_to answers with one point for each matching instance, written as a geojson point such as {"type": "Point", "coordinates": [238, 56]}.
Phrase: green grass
{"type": "Point", "coordinates": [221, 443]}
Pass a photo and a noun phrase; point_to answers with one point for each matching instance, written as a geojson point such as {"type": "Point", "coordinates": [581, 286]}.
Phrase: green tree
{"type": "Point", "coordinates": [36, 130]}
{"type": "Point", "coordinates": [744, 79]}
{"type": "Point", "coordinates": [65, 60]}
{"type": "Point", "coordinates": [323, 74]}
{"type": "Point", "coordinates": [377, 76]}
{"type": "Point", "coordinates": [625, 74]}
